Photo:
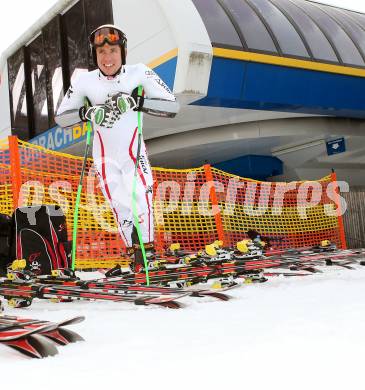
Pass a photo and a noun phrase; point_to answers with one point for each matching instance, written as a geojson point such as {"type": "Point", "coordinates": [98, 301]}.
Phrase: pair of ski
{"type": "Point", "coordinates": [299, 259]}
{"type": "Point", "coordinates": [192, 274]}
{"type": "Point", "coordinates": [344, 258]}
{"type": "Point", "coordinates": [217, 269]}
{"type": "Point", "coordinates": [116, 284]}
{"type": "Point", "coordinates": [21, 293]}
{"type": "Point", "coordinates": [36, 338]}
{"type": "Point", "coordinates": [180, 258]}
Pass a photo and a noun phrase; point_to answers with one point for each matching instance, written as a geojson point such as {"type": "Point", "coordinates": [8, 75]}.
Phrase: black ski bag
{"type": "Point", "coordinates": [41, 238]}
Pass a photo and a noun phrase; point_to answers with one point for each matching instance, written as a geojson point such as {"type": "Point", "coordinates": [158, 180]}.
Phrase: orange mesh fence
{"type": "Point", "coordinates": [176, 209]}
{"type": "Point", "coordinates": [193, 207]}
{"type": "Point", "coordinates": [294, 214]}
{"type": "Point", "coordinates": [6, 190]}
{"type": "Point", "coordinates": [223, 206]}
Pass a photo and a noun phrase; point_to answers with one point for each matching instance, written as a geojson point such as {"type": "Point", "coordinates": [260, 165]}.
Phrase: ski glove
{"type": "Point", "coordinates": [100, 115]}
{"type": "Point", "coordinates": [121, 103]}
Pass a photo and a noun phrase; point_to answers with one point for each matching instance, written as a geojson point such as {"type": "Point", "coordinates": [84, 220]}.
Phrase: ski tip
{"type": "Point", "coordinates": [33, 346]}
{"type": "Point", "coordinates": [171, 305]}
{"type": "Point", "coordinates": [70, 335]}
{"type": "Point", "coordinates": [45, 347]}
{"type": "Point", "coordinates": [71, 321]}
{"type": "Point", "coordinates": [218, 295]}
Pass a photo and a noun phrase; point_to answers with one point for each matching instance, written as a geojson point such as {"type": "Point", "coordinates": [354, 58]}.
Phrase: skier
{"type": "Point", "coordinates": [112, 93]}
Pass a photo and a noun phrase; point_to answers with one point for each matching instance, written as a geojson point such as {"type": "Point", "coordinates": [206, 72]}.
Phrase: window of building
{"type": "Point", "coordinates": [38, 82]}
{"type": "Point", "coordinates": [53, 55]}
{"type": "Point", "coordinates": [40, 72]}
{"type": "Point", "coordinates": [76, 38]}
{"type": "Point", "coordinates": [17, 94]}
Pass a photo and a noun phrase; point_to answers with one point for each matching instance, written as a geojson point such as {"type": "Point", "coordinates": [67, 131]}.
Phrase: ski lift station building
{"type": "Point", "coordinates": [268, 88]}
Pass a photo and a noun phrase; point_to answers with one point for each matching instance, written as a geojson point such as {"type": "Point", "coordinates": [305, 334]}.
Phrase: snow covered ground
{"type": "Point", "coordinates": [288, 333]}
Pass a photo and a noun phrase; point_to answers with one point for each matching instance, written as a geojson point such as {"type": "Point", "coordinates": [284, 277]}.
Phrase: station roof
{"type": "Point", "coordinates": [287, 28]}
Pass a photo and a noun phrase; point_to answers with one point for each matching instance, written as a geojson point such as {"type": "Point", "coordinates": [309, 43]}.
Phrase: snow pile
{"type": "Point", "coordinates": [288, 333]}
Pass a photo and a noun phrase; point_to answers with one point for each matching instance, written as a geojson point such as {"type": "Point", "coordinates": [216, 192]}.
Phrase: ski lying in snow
{"type": "Point", "coordinates": [215, 255]}
{"type": "Point", "coordinates": [117, 285]}
{"type": "Point", "coordinates": [192, 274]}
{"type": "Point", "coordinates": [59, 334]}
{"type": "Point", "coordinates": [11, 332]}
{"type": "Point", "coordinates": [28, 342]}
{"type": "Point", "coordinates": [22, 293]}
{"type": "Point", "coordinates": [285, 274]}
{"type": "Point", "coordinates": [341, 259]}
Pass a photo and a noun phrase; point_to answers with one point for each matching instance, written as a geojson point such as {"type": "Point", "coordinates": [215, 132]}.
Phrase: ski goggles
{"type": "Point", "coordinates": [107, 35]}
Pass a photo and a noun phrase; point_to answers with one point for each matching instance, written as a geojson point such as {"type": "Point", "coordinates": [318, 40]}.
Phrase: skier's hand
{"type": "Point", "coordinates": [121, 103]}
{"type": "Point", "coordinates": [100, 115]}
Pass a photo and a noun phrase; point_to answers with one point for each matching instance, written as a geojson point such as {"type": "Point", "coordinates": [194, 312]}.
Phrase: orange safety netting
{"type": "Point", "coordinates": [6, 190]}
{"type": "Point", "coordinates": [223, 206]}
{"type": "Point", "coordinates": [193, 207]}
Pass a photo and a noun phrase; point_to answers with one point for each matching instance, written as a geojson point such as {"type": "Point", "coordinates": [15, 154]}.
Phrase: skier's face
{"type": "Point", "coordinates": [109, 58]}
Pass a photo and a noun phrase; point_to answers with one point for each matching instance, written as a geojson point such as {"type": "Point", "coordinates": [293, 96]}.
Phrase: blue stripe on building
{"type": "Point", "coordinates": [242, 84]}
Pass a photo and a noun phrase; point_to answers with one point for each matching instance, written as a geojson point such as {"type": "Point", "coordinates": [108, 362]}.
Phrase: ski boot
{"type": "Point", "coordinates": [175, 250]}
{"type": "Point", "coordinates": [138, 264]}
{"type": "Point", "coordinates": [325, 246]}
{"type": "Point", "coordinates": [215, 252]}
{"type": "Point", "coordinates": [176, 255]}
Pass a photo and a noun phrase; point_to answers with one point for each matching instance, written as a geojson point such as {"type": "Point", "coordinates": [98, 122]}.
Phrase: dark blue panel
{"type": "Point", "coordinates": [167, 72]}
{"type": "Point", "coordinates": [228, 78]}
{"type": "Point", "coordinates": [252, 166]}
{"type": "Point", "coordinates": [240, 84]}
{"type": "Point", "coordinates": [298, 87]}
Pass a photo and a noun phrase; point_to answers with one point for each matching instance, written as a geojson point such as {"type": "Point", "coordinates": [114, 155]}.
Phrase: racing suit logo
{"type": "Point", "coordinates": [142, 162]}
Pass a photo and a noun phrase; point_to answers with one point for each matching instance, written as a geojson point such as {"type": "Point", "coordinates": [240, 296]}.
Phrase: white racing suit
{"type": "Point", "coordinates": [115, 149]}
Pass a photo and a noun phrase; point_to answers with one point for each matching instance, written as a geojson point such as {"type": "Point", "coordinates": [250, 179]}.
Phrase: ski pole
{"type": "Point", "coordinates": [78, 196]}
{"type": "Point", "coordinates": [134, 194]}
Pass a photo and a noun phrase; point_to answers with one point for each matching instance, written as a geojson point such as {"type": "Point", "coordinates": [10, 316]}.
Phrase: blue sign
{"type": "Point", "coordinates": [58, 138]}
{"type": "Point", "coordinates": [336, 146]}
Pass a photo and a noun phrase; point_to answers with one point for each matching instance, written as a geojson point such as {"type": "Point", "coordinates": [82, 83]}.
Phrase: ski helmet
{"type": "Point", "coordinates": [111, 34]}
